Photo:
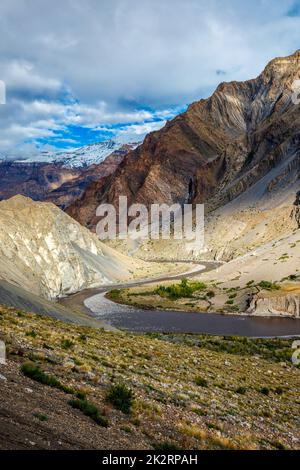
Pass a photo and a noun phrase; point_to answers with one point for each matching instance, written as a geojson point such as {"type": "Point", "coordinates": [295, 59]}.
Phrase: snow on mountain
{"type": "Point", "coordinates": [80, 157]}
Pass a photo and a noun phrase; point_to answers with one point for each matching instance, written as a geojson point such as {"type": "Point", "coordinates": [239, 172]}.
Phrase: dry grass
{"type": "Point", "coordinates": [161, 371]}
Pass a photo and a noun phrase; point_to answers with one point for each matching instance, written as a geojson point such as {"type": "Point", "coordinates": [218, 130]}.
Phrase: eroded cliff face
{"type": "Point", "coordinates": [53, 182]}
{"type": "Point", "coordinates": [34, 180]}
{"type": "Point", "coordinates": [213, 152]}
{"type": "Point", "coordinates": [296, 209]}
{"type": "Point", "coordinates": [46, 252]}
{"type": "Point", "coordinates": [284, 305]}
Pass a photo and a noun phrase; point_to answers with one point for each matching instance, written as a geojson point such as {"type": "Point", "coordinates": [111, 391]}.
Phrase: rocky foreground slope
{"type": "Point", "coordinates": [190, 392]}
{"type": "Point", "coordinates": [215, 151]}
{"type": "Point", "coordinates": [49, 254]}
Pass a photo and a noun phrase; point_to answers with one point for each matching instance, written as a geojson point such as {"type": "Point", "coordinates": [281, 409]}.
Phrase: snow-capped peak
{"type": "Point", "coordinates": [80, 157]}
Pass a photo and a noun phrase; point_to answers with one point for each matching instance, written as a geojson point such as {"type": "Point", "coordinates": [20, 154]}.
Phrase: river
{"type": "Point", "coordinates": [144, 320]}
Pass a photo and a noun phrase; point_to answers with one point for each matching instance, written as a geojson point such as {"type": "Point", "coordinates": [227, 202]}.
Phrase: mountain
{"type": "Point", "coordinates": [47, 253]}
{"type": "Point", "coordinates": [12, 295]}
{"type": "Point", "coordinates": [73, 188]}
{"type": "Point", "coordinates": [53, 182]}
{"type": "Point", "coordinates": [215, 151]}
{"type": "Point", "coordinates": [81, 157]}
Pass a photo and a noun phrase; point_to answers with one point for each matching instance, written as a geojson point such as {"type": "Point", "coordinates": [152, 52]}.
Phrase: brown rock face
{"type": "Point", "coordinates": [296, 209]}
{"type": "Point", "coordinates": [52, 182]}
{"type": "Point", "coordinates": [35, 180]}
{"type": "Point", "coordinates": [214, 151]}
{"type": "Point", "coordinates": [73, 189]}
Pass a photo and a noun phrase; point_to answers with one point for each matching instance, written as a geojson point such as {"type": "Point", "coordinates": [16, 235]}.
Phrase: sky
{"type": "Point", "coordinates": [83, 71]}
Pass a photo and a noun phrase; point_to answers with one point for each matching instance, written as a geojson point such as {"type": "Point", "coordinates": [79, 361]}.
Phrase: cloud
{"type": "Point", "coordinates": [72, 124]}
{"type": "Point", "coordinates": [137, 130]}
{"type": "Point", "coordinates": [128, 65]}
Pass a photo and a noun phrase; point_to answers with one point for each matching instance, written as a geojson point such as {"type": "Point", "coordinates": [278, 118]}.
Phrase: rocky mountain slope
{"type": "Point", "coordinates": [72, 189]}
{"type": "Point", "coordinates": [258, 235]}
{"type": "Point", "coordinates": [47, 253]}
{"type": "Point", "coordinates": [190, 392]}
{"type": "Point", "coordinates": [215, 151]}
{"type": "Point", "coordinates": [12, 295]}
{"type": "Point", "coordinates": [53, 182]}
{"type": "Point", "coordinates": [88, 155]}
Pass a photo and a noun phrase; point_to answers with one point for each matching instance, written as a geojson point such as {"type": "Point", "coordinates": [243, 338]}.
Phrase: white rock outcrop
{"type": "Point", "coordinates": [45, 251]}
{"type": "Point", "coordinates": [280, 305]}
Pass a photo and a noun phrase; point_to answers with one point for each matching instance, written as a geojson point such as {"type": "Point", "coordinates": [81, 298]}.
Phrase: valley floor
{"type": "Point", "coordinates": [263, 282]}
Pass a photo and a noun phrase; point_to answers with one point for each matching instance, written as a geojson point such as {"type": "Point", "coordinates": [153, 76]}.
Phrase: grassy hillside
{"type": "Point", "coordinates": [77, 387]}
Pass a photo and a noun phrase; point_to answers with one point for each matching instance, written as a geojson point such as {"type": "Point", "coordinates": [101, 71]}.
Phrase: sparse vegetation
{"type": "Point", "coordinates": [186, 288]}
{"type": "Point", "coordinates": [67, 343]}
{"type": "Point", "coordinates": [210, 294]}
{"type": "Point", "coordinates": [35, 373]}
{"type": "Point", "coordinates": [31, 333]}
{"type": "Point", "coordinates": [115, 294]}
{"type": "Point", "coordinates": [40, 416]}
{"type": "Point", "coordinates": [201, 382]}
{"type": "Point", "coordinates": [121, 397]}
{"type": "Point", "coordinates": [274, 350]}
{"type": "Point", "coordinates": [265, 391]}
{"type": "Point", "coordinates": [89, 410]}
{"type": "Point", "coordinates": [268, 285]}
{"type": "Point", "coordinates": [191, 390]}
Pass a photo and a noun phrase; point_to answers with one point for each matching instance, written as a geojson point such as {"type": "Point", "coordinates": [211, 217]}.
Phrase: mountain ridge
{"type": "Point", "coordinates": [214, 151]}
{"type": "Point", "coordinates": [49, 254]}
{"type": "Point", "coordinates": [81, 157]}
{"type": "Point", "coordinates": [54, 182]}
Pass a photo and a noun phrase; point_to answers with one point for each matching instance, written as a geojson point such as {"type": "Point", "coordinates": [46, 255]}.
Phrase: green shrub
{"type": "Point", "coordinates": [35, 373]}
{"type": "Point", "coordinates": [265, 390]}
{"type": "Point", "coordinates": [90, 410]}
{"type": "Point", "coordinates": [210, 294]}
{"type": "Point", "coordinates": [201, 382]}
{"type": "Point", "coordinates": [67, 344]}
{"type": "Point", "coordinates": [213, 426]}
{"type": "Point", "coordinates": [115, 294]}
{"type": "Point", "coordinates": [121, 397]}
{"type": "Point", "coordinates": [40, 416]}
{"type": "Point", "coordinates": [271, 349]}
{"type": "Point", "coordinates": [31, 333]}
{"type": "Point", "coordinates": [80, 395]}
{"type": "Point", "coordinates": [184, 289]}
{"type": "Point", "coordinates": [126, 429]}
{"type": "Point", "coordinates": [199, 412]}
{"type": "Point", "coordinates": [241, 390]}
{"type": "Point", "coordinates": [278, 445]}
{"type": "Point", "coordinates": [268, 285]}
